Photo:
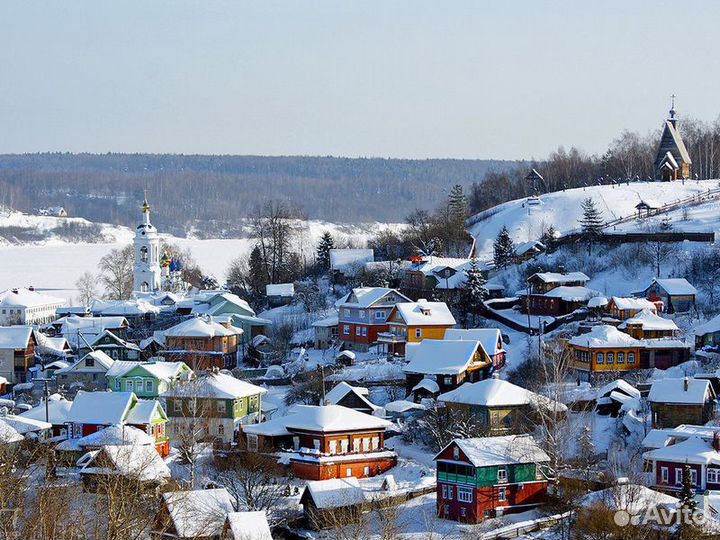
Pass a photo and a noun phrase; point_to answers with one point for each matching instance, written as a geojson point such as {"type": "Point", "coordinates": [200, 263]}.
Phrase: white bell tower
{"type": "Point", "coordinates": [146, 275]}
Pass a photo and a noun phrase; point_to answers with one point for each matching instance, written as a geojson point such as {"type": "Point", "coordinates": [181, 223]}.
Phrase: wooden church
{"type": "Point", "coordinates": [672, 161]}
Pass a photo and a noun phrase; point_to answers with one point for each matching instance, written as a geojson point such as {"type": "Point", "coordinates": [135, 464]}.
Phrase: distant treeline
{"type": "Point", "coordinates": [211, 193]}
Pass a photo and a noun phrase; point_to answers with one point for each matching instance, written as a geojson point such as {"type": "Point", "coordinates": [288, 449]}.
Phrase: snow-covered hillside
{"type": "Point", "coordinates": [562, 210]}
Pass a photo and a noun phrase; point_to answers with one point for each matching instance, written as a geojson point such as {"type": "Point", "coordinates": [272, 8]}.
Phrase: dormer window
{"type": "Point", "coordinates": [456, 453]}
{"type": "Point", "coordinates": [89, 362]}
{"type": "Point", "coordinates": [426, 312]}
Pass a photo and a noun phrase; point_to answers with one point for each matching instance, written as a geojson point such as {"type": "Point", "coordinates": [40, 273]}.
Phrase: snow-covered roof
{"type": "Point", "coordinates": [632, 498]}
{"type": "Point", "coordinates": [681, 391]}
{"type": "Point", "coordinates": [347, 259]}
{"type": "Point", "coordinates": [364, 297]}
{"type": "Point", "coordinates": [58, 409]}
{"type": "Point", "coordinates": [693, 450]}
{"type": "Point", "coordinates": [329, 418]}
{"type": "Point", "coordinates": [571, 294]}
{"type": "Point", "coordinates": [25, 425]}
{"type": "Point", "coordinates": [164, 371]}
{"type": "Point", "coordinates": [428, 385]}
{"type": "Point", "coordinates": [633, 304]}
{"type": "Point", "coordinates": [53, 346]}
{"type": "Point", "coordinates": [649, 321]}
{"type": "Point", "coordinates": [341, 389]}
{"type": "Point", "coordinates": [530, 245]}
{"type": "Point", "coordinates": [604, 335]}
{"type": "Point", "coordinates": [597, 302]}
{"type": "Point", "coordinates": [286, 290]}
{"type": "Point", "coordinates": [403, 405]}
{"type": "Point", "coordinates": [9, 434]}
{"type": "Point", "coordinates": [144, 411]}
{"type": "Point", "coordinates": [676, 286]}
{"type": "Point", "coordinates": [101, 360]}
{"type": "Point", "coordinates": [107, 333]}
{"type": "Point", "coordinates": [335, 493]}
{"type": "Point", "coordinates": [116, 434]}
{"type": "Point", "coordinates": [199, 513]}
{"type": "Point", "coordinates": [618, 385]}
{"type": "Point", "coordinates": [656, 438]}
{"type": "Point", "coordinates": [504, 450]}
{"type": "Point", "coordinates": [15, 337]}
{"type": "Point", "coordinates": [141, 462]}
{"type": "Point", "coordinates": [490, 338]}
{"type": "Point", "coordinates": [327, 322]}
{"type": "Point", "coordinates": [496, 393]}
{"type": "Point", "coordinates": [439, 357]}
{"type": "Point", "coordinates": [201, 327]}
{"type": "Point", "coordinates": [422, 313]}
{"type": "Point", "coordinates": [709, 327]}
{"type": "Point", "coordinates": [22, 297]}
{"type": "Point", "coordinates": [215, 385]}
{"type": "Point", "coordinates": [248, 526]}
{"type": "Point", "coordinates": [100, 407]}
{"type": "Point", "coordinates": [133, 307]}
{"type": "Point", "coordinates": [555, 277]}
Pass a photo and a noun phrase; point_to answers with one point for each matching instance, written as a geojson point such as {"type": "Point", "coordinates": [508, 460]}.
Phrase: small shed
{"type": "Point", "coordinates": [330, 503]}
{"type": "Point", "coordinates": [279, 294]}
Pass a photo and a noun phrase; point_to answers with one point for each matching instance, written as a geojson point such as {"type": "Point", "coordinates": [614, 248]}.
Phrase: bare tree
{"type": "Point", "coordinates": [116, 273]}
{"type": "Point", "coordinates": [86, 285]}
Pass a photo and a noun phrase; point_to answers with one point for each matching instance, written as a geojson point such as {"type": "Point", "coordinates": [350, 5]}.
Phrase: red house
{"type": "Point", "coordinates": [363, 314]}
{"type": "Point", "coordinates": [328, 441]}
{"type": "Point", "coordinates": [490, 476]}
{"type": "Point", "coordinates": [702, 456]}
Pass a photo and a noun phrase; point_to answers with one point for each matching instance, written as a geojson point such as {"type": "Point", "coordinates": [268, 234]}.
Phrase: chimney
{"type": "Point", "coordinates": [716, 441]}
{"type": "Point", "coordinates": [31, 288]}
{"type": "Point", "coordinates": [686, 383]}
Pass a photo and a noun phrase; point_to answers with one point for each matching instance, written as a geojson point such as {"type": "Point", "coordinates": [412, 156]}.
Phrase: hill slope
{"type": "Point", "coordinates": [563, 211]}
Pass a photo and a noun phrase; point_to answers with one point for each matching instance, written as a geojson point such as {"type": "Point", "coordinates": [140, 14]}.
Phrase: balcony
{"type": "Point", "coordinates": [389, 337]}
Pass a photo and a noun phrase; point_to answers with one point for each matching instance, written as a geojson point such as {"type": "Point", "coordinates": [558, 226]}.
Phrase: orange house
{"type": "Point", "coordinates": [412, 322]}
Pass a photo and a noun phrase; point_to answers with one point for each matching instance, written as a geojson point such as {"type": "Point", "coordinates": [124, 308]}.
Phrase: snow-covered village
{"type": "Point", "coordinates": [209, 333]}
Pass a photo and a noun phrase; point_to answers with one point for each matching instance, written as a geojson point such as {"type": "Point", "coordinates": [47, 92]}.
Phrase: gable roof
{"type": "Point", "coordinates": [347, 259]}
{"type": "Point", "coordinates": [674, 286]}
{"type": "Point", "coordinates": [280, 289]}
{"type": "Point", "coordinates": [116, 434]}
{"type": "Point", "coordinates": [199, 513]}
{"type": "Point", "coordinates": [673, 391]}
{"type": "Point", "coordinates": [101, 407]}
{"type": "Point", "coordinates": [144, 412]}
{"type": "Point", "coordinates": [439, 357]}
{"type": "Point", "coordinates": [424, 313]}
{"type": "Point", "coordinates": [102, 360]}
{"type": "Point", "coordinates": [671, 130]}
{"type": "Point", "coordinates": [631, 303]}
{"type": "Point", "coordinates": [113, 337]}
{"type": "Point", "coordinates": [365, 297]}
{"type": "Point", "coordinates": [334, 493]}
{"type": "Point", "coordinates": [15, 337]}
{"type": "Point", "coordinates": [58, 409]}
{"type": "Point", "coordinates": [708, 327]}
{"type": "Point", "coordinates": [505, 450]}
{"type": "Point", "coordinates": [693, 450]}
{"type": "Point", "coordinates": [141, 462]}
{"type": "Point", "coordinates": [490, 338]}
{"type": "Point", "coordinates": [604, 335]}
{"type": "Point", "coordinates": [342, 389]}
{"type": "Point", "coordinates": [215, 385]}
{"type": "Point", "coordinates": [496, 393]}
{"type": "Point", "coordinates": [163, 371]}
{"type": "Point", "coordinates": [248, 526]}
{"type": "Point", "coordinates": [318, 418]}
{"type": "Point", "coordinates": [649, 321]}
{"type": "Point", "coordinates": [201, 327]}
{"type": "Point", "coordinates": [23, 297]}
{"type": "Point", "coordinates": [556, 277]}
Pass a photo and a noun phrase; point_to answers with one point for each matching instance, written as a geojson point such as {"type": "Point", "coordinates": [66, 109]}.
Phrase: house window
{"type": "Point", "coordinates": [375, 443]}
{"type": "Point", "coordinates": [362, 313]}
{"type": "Point", "coordinates": [129, 386]}
{"type": "Point", "coordinates": [347, 312]}
{"type": "Point", "coordinates": [316, 444]}
{"type": "Point", "coordinates": [333, 447]}
{"type": "Point", "coordinates": [502, 474]}
{"type": "Point", "coordinates": [621, 357]}
{"type": "Point", "coordinates": [502, 494]}
{"type": "Point", "coordinates": [356, 445]}
{"type": "Point", "coordinates": [364, 332]}
{"type": "Point", "coordinates": [357, 330]}
{"type": "Point", "coordinates": [380, 315]}
{"type": "Point", "coordinates": [346, 329]}
{"type": "Point", "coordinates": [665, 475]}
{"type": "Point", "coordinates": [221, 430]}
{"type": "Point", "coordinates": [89, 362]}
{"type": "Point", "coordinates": [343, 447]}
{"type": "Point", "coordinates": [444, 492]}
{"type": "Point", "coordinates": [366, 471]}
{"type": "Point", "coordinates": [678, 476]}
{"type": "Point", "coordinates": [465, 495]}
{"type": "Point", "coordinates": [631, 358]}
{"type": "Point", "coordinates": [447, 380]}
{"type": "Point", "coordinates": [600, 358]}
{"type": "Point", "coordinates": [693, 477]}
{"type": "Point", "coordinates": [252, 442]}
{"type": "Point", "coordinates": [610, 358]}
{"type": "Point", "coordinates": [148, 386]}
{"type": "Point", "coordinates": [713, 476]}
{"type": "Point", "coordinates": [450, 493]}
{"type": "Point", "coordinates": [418, 333]}
{"type": "Point", "coordinates": [348, 472]}
{"type": "Point", "coordinates": [220, 406]}
{"type": "Point", "coordinates": [366, 444]}
{"type": "Point", "coordinates": [117, 384]}
{"type": "Point", "coordinates": [456, 453]}
{"type": "Point", "coordinates": [463, 512]}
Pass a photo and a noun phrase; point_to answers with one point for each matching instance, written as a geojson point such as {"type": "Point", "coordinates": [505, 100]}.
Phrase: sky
{"type": "Point", "coordinates": [386, 78]}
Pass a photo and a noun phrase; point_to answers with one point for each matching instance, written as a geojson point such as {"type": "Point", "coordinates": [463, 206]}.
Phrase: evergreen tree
{"type": "Point", "coordinates": [473, 291]}
{"type": "Point", "coordinates": [687, 493]}
{"type": "Point", "coordinates": [591, 223]}
{"type": "Point", "coordinates": [503, 249]}
{"type": "Point", "coordinates": [549, 235]}
{"type": "Point", "coordinates": [457, 203]}
{"type": "Point", "coordinates": [327, 242]}
{"type": "Point", "coordinates": [257, 277]}
{"type": "Point", "coordinates": [455, 236]}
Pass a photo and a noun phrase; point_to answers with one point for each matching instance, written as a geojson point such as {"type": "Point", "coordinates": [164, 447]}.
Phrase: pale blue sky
{"type": "Point", "coordinates": [355, 78]}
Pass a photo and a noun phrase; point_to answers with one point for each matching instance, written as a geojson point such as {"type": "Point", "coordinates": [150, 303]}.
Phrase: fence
{"type": "Point", "coordinates": [623, 237]}
{"type": "Point", "coordinates": [520, 529]}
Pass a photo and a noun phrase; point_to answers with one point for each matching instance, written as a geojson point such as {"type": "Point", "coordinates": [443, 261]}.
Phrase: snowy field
{"type": "Point", "coordinates": [56, 265]}
{"type": "Point", "coordinates": [562, 210]}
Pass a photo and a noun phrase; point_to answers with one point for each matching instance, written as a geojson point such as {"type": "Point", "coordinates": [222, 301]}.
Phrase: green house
{"type": "Point", "coordinates": [147, 379]}
{"type": "Point", "coordinates": [240, 314]}
{"type": "Point", "coordinates": [112, 345]}
{"type": "Point", "coordinates": [214, 406]}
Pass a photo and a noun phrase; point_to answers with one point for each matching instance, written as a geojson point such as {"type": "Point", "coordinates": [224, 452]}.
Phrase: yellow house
{"type": "Point", "coordinates": [412, 322]}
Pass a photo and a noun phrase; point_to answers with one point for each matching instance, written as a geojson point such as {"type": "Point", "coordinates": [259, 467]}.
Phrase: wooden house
{"type": "Point", "coordinates": [363, 314]}
{"type": "Point", "coordinates": [56, 413]}
{"type": "Point", "coordinates": [708, 334]}
{"type": "Point", "coordinates": [332, 503]}
{"type": "Point", "coordinates": [279, 294]}
{"type": "Point", "coordinates": [352, 397]}
{"type": "Point", "coordinates": [89, 372]}
{"type": "Point", "coordinates": [681, 401]}
{"type": "Point", "coordinates": [147, 379]}
{"type": "Point", "coordinates": [669, 464]}
{"type": "Point", "coordinates": [500, 406]}
{"type": "Point", "coordinates": [246, 526]}
{"type": "Point", "coordinates": [490, 476]}
{"type": "Point", "coordinates": [648, 325]}
{"type": "Point", "coordinates": [214, 406]}
{"type": "Point", "coordinates": [112, 345]}
{"type": "Point", "coordinates": [17, 353]}
{"type": "Point", "coordinates": [203, 343]}
{"type": "Point", "coordinates": [428, 276]}
{"type": "Point", "coordinates": [411, 322]}
{"type": "Point", "coordinates": [328, 441]}
{"type": "Point", "coordinates": [138, 463]}
{"type": "Point", "coordinates": [326, 332]}
{"type": "Point", "coordinates": [675, 295]}
{"type": "Point", "coordinates": [543, 282]}
{"type": "Point", "coordinates": [192, 515]}
{"type": "Point", "coordinates": [672, 161]}
{"type": "Point", "coordinates": [448, 363]}
{"type": "Point", "coordinates": [552, 293]}
{"type": "Point", "coordinates": [490, 339]}
{"type": "Point", "coordinates": [621, 308]}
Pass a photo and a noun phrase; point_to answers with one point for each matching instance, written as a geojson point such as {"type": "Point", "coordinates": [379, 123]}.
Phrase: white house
{"type": "Point", "coordinates": [27, 306]}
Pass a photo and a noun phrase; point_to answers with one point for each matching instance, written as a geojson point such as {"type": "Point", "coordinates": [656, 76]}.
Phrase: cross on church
{"type": "Point", "coordinates": [672, 106]}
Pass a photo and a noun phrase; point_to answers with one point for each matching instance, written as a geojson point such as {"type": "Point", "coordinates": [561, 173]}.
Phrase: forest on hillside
{"type": "Point", "coordinates": [212, 193]}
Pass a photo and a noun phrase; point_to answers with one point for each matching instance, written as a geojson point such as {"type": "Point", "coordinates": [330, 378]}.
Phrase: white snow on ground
{"type": "Point", "coordinates": [562, 209]}
{"type": "Point", "coordinates": [57, 264]}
